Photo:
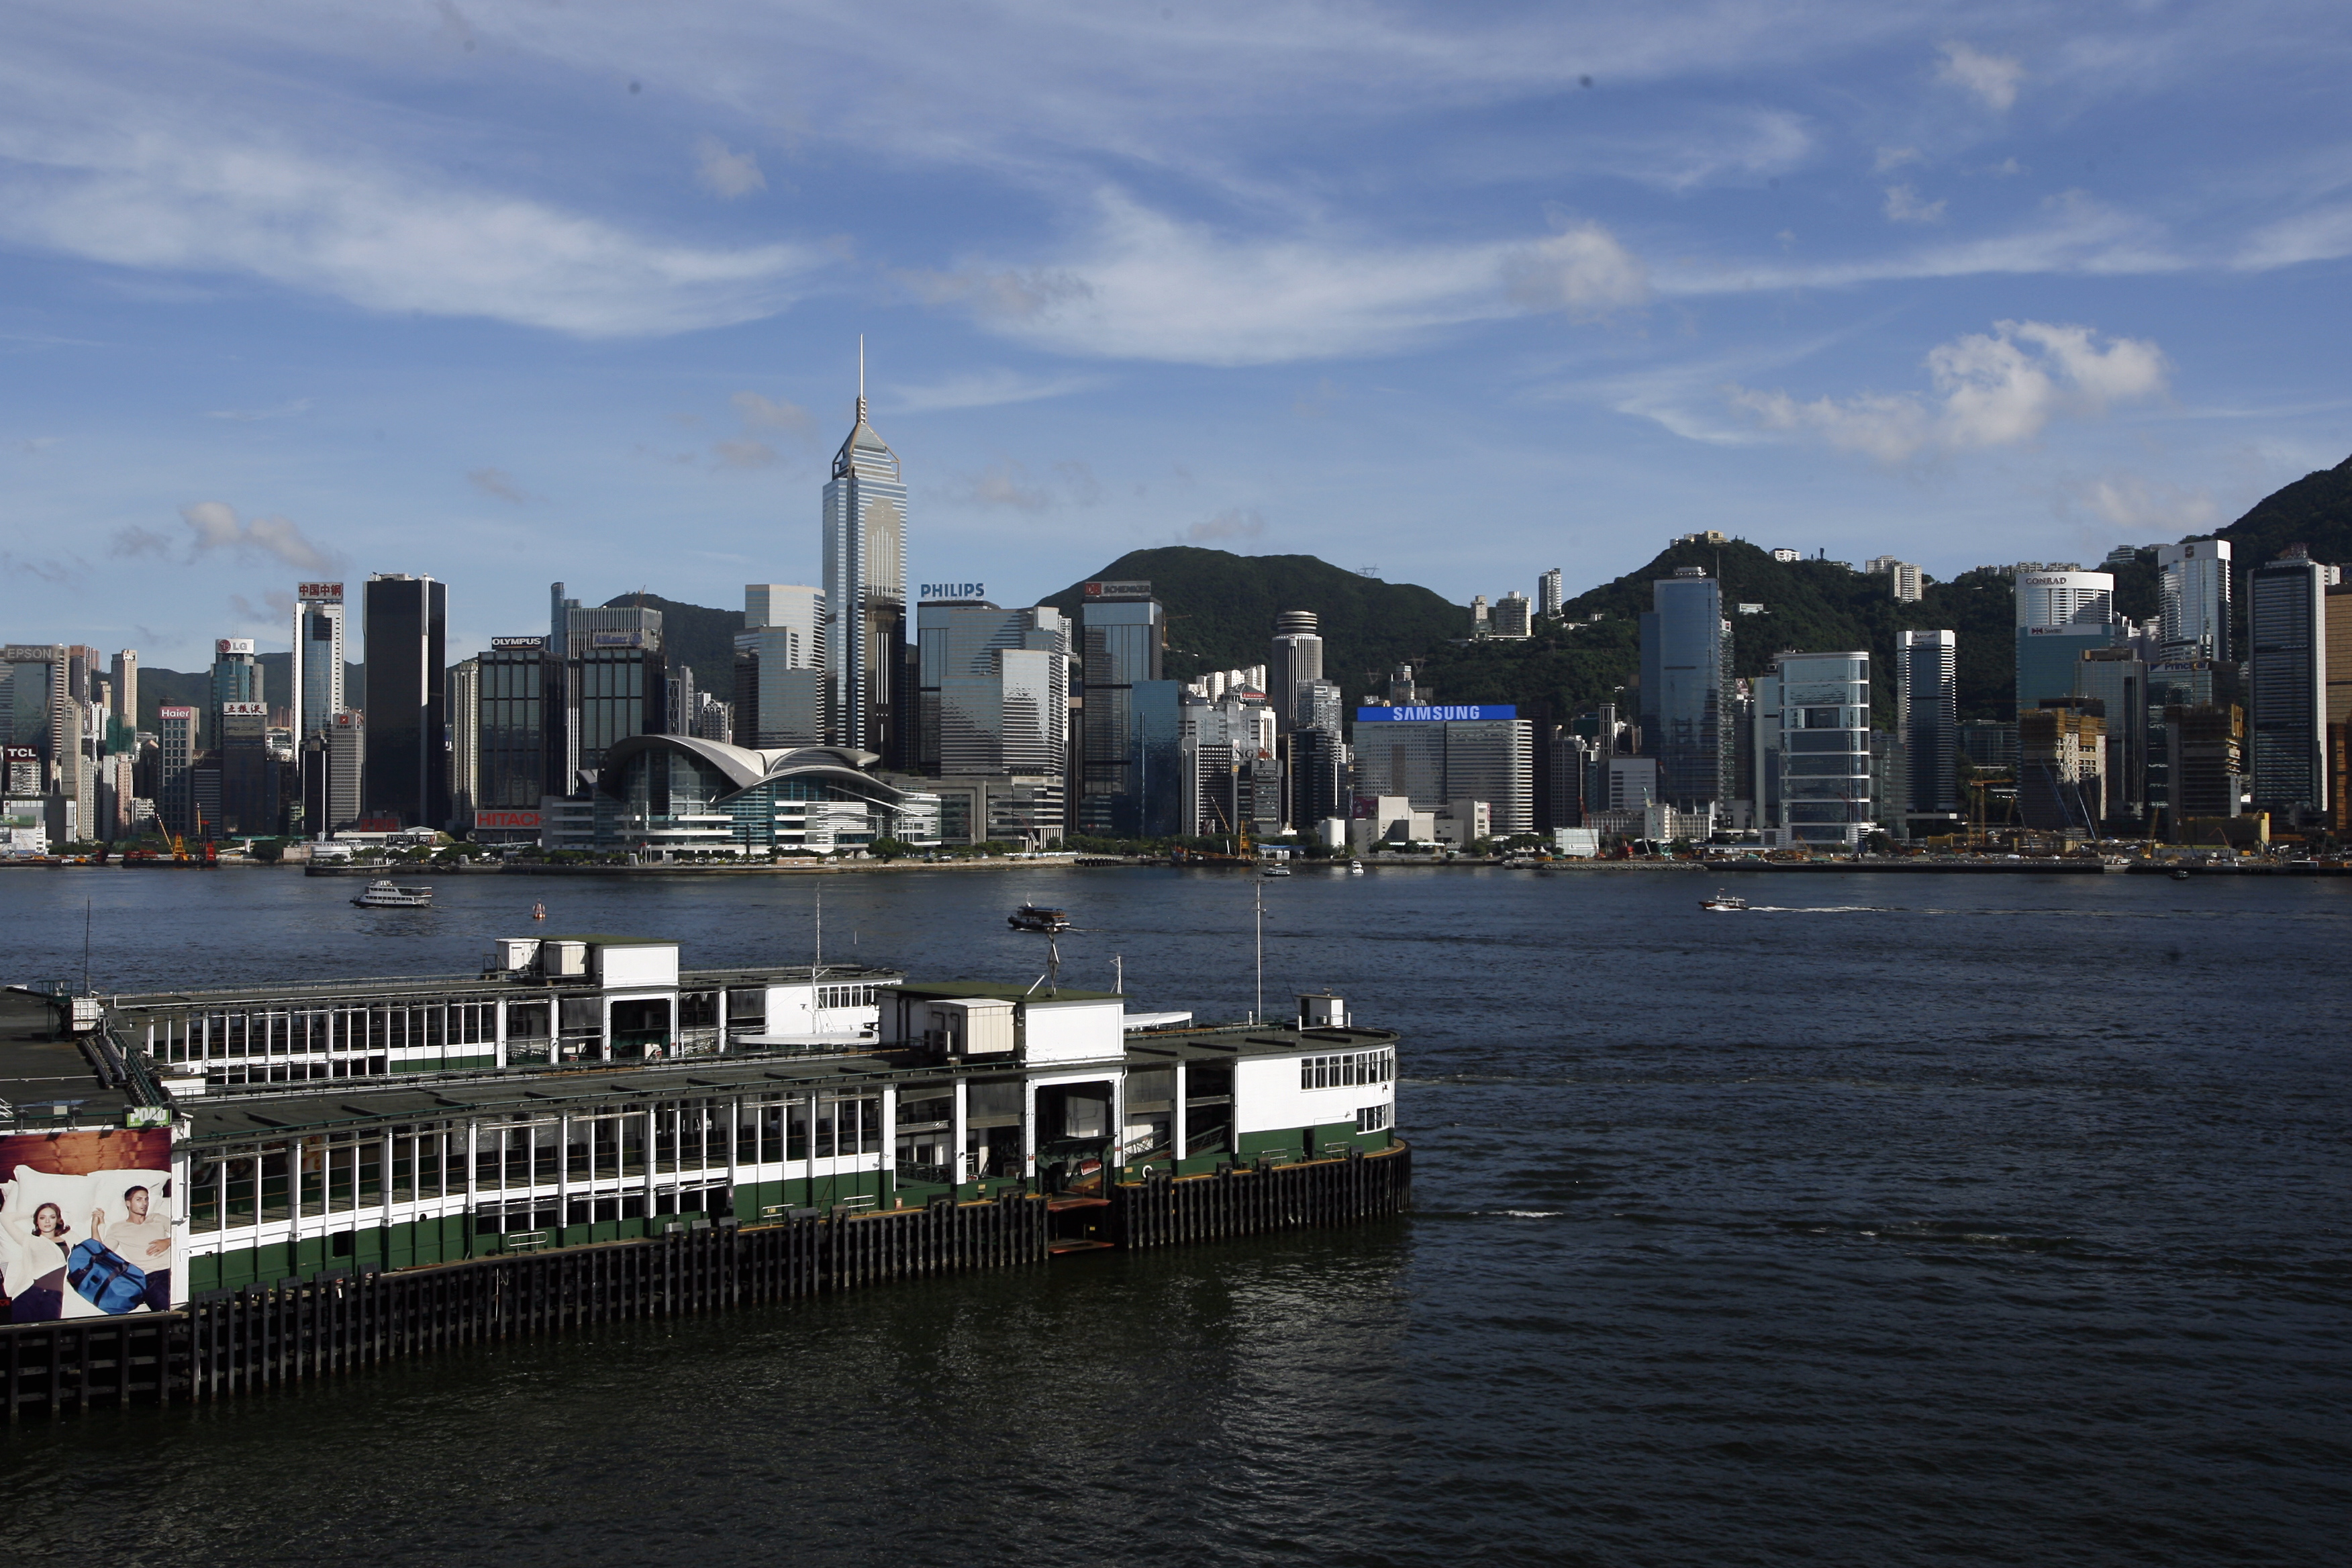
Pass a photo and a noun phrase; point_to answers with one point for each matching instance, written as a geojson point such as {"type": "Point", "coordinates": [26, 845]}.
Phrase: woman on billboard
{"type": "Point", "coordinates": [45, 1260]}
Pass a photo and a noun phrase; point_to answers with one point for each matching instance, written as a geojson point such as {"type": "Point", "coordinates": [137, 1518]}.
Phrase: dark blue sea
{"type": "Point", "coordinates": [1912, 1220]}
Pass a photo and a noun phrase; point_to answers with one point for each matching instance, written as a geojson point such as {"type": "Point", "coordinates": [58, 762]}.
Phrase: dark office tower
{"type": "Point", "coordinates": [1118, 649]}
{"type": "Point", "coordinates": [1319, 778]}
{"type": "Point", "coordinates": [249, 804]}
{"type": "Point", "coordinates": [1686, 673]}
{"type": "Point", "coordinates": [1928, 718]}
{"type": "Point", "coordinates": [2117, 680]}
{"type": "Point", "coordinates": [2288, 619]}
{"type": "Point", "coordinates": [407, 773]}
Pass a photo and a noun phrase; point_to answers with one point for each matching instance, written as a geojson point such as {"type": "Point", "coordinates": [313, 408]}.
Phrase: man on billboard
{"type": "Point", "coordinates": [85, 1225]}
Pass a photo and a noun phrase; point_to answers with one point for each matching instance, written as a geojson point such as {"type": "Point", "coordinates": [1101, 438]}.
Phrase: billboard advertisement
{"type": "Point", "coordinates": [1138, 589]}
{"type": "Point", "coordinates": [954, 591]}
{"type": "Point", "coordinates": [616, 639]}
{"type": "Point", "coordinates": [321, 593]}
{"type": "Point", "coordinates": [536, 645]}
{"type": "Point", "coordinates": [86, 1224]}
{"type": "Point", "coordinates": [168, 713]}
{"type": "Point", "coordinates": [232, 648]}
{"type": "Point", "coordinates": [487, 818]}
{"type": "Point", "coordinates": [1425, 713]}
{"type": "Point", "coordinates": [245, 710]}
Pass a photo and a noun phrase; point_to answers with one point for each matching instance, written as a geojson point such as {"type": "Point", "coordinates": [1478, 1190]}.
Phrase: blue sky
{"type": "Point", "coordinates": [506, 292]}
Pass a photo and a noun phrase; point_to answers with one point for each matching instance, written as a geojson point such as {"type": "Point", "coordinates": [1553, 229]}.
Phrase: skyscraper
{"type": "Point", "coordinates": [518, 731]}
{"type": "Point", "coordinates": [994, 694]}
{"type": "Point", "coordinates": [2117, 680]}
{"type": "Point", "coordinates": [317, 662]}
{"type": "Point", "coordinates": [235, 677]}
{"type": "Point", "coordinates": [1294, 659]}
{"type": "Point", "coordinates": [407, 774]}
{"type": "Point", "coordinates": [2193, 580]}
{"type": "Point", "coordinates": [2287, 621]}
{"type": "Point", "coordinates": [175, 768]}
{"type": "Point", "coordinates": [1685, 671]}
{"type": "Point", "coordinates": [1118, 650]}
{"type": "Point", "coordinates": [865, 586]}
{"type": "Point", "coordinates": [1928, 718]}
{"type": "Point", "coordinates": [2059, 614]}
{"type": "Point", "coordinates": [1434, 754]}
{"type": "Point", "coordinates": [1824, 752]}
{"type": "Point", "coordinates": [781, 689]}
{"type": "Point", "coordinates": [1548, 601]}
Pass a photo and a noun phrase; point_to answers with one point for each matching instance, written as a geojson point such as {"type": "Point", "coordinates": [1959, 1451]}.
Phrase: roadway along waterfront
{"type": "Point", "coordinates": [1945, 1220]}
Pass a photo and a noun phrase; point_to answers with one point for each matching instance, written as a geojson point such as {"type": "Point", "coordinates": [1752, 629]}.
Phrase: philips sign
{"type": "Point", "coordinates": [1422, 715]}
{"type": "Point", "coordinates": [955, 591]}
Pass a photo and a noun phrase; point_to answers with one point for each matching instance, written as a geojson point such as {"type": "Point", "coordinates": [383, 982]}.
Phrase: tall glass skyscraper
{"type": "Point", "coordinates": [780, 667]}
{"type": "Point", "coordinates": [2060, 614]}
{"type": "Point", "coordinates": [2194, 580]}
{"type": "Point", "coordinates": [993, 690]}
{"type": "Point", "coordinates": [865, 586]}
{"type": "Point", "coordinates": [1119, 651]}
{"type": "Point", "coordinates": [1928, 718]}
{"type": "Point", "coordinates": [406, 777]}
{"type": "Point", "coordinates": [317, 662]}
{"type": "Point", "coordinates": [2287, 623]}
{"type": "Point", "coordinates": [1685, 671]}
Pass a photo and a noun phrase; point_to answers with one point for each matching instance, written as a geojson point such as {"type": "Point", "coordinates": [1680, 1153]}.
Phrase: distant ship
{"type": "Point", "coordinates": [1038, 917]}
{"type": "Point", "coordinates": [388, 895]}
{"type": "Point", "coordinates": [1723, 902]}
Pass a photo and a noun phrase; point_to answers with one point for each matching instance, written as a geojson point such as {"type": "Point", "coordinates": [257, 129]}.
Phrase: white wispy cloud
{"type": "Point", "coordinates": [286, 410]}
{"type": "Point", "coordinates": [986, 389]}
{"type": "Point", "coordinates": [2143, 506]}
{"type": "Point", "coordinates": [1904, 205]}
{"type": "Point", "coordinates": [1992, 78]}
{"type": "Point", "coordinates": [725, 173]}
{"type": "Point", "coordinates": [1996, 389]}
{"type": "Point", "coordinates": [215, 530]}
{"type": "Point", "coordinates": [496, 482]}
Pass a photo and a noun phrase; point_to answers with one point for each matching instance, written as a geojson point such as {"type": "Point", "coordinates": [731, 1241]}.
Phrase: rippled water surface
{"type": "Point", "coordinates": [1936, 1219]}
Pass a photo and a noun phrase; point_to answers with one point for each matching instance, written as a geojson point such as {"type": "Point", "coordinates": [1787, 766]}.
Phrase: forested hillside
{"type": "Point", "coordinates": [1221, 608]}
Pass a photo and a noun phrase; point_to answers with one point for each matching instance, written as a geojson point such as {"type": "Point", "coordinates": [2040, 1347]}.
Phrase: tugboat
{"type": "Point", "coordinates": [1723, 902]}
{"type": "Point", "coordinates": [385, 894]}
{"type": "Point", "coordinates": [1038, 917]}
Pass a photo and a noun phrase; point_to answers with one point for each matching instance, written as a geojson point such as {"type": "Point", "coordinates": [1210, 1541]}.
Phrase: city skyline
{"type": "Point", "coordinates": [1840, 278]}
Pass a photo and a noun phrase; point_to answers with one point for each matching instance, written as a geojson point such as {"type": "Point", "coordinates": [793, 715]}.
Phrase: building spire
{"type": "Point", "coordinates": [861, 378]}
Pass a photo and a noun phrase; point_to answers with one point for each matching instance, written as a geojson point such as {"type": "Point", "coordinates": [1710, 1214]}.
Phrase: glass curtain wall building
{"type": "Point", "coordinates": [2060, 614]}
{"type": "Point", "coordinates": [1487, 753]}
{"type": "Point", "coordinates": [1686, 673]}
{"type": "Point", "coordinates": [994, 692]}
{"type": "Point", "coordinates": [407, 777]}
{"type": "Point", "coordinates": [865, 588]}
{"type": "Point", "coordinates": [1122, 759]}
{"type": "Point", "coordinates": [1928, 718]}
{"type": "Point", "coordinates": [2193, 582]}
{"type": "Point", "coordinates": [1825, 799]}
{"type": "Point", "coordinates": [317, 667]}
{"type": "Point", "coordinates": [2287, 621]}
{"type": "Point", "coordinates": [781, 689]}
{"type": "Point", "coordinates": [2117, 680]}
{"type": "Point", "coordinates": [520, 727]}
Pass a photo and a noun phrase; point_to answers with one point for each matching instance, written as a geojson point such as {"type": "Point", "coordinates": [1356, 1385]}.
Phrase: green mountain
{"type": "Point", "coordinates": [703, 638]}
{"type": "Point", "coordinates": [1811, 605]}
{"type": "Point", "coordinates": [2314, 511]}
{"type": "Point", "coordinates": [1221, 608]}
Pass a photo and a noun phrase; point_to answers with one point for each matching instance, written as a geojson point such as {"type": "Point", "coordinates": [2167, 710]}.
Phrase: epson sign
{"type": "Point", "coordinates": [954, 591]}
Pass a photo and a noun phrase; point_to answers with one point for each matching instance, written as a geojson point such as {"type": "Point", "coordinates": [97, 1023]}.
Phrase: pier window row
{"type": "Point", "coordinates": [846, 995]}
{"type": "Point", "coordinates": [1342, 1071]}
{"type": "Point", "coordinates": [324, 1175]}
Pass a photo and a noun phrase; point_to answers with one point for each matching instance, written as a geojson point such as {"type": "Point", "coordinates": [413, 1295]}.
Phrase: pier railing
{"type": "Point", "coordinates": [267, 1338]}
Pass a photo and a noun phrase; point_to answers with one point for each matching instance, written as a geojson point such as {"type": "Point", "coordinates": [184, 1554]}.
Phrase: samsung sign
{"type": "Point", "coordinates": [1425, 714]}
{"type": "Point", "coordinates": [955, 591]}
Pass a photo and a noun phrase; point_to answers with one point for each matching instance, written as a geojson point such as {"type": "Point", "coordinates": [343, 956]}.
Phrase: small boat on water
{"type": "Point", "coordinates": [2180, 874]}
{"type": "Point", "coordinates": [385, 894]}
{"type": "Point", "coordinates": [1274, 868]}
{"type": "Point", "coordinates": [1038, 917]}
{"type": "Point", "coordinates": [1723, 902]}
{"type": "Point", "coordinates": [1355, 868]}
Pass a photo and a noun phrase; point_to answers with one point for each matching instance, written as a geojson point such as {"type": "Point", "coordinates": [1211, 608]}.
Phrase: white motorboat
{"type": "Point", "coordinates": [385, 894]}
{"type": "Point", "coordinates": [1038, 917]}
{"type": "Point", "coordinates": [1274, 868]}
{"type": "Point", "coordinates": [1723, 903]}
{"type": "Point", "coordinates": [1355, 868]}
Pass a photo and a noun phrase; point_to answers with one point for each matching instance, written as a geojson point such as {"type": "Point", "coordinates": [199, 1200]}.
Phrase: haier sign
{"type": "Point", "coordinates": [1425, 714]}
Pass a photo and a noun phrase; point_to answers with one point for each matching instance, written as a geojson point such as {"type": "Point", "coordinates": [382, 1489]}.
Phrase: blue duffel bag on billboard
{"type": "Point", "coordinates": [106, 1279]}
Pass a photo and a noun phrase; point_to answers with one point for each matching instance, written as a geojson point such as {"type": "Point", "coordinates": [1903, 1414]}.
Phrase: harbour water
{"type": "Point", "coordinates": [1952, 1220]}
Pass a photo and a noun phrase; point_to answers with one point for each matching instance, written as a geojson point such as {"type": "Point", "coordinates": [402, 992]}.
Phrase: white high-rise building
{"type": "Point", "coordinates": [2194, 581]}
{"type": "Point", "coordinates": [1548, 594]}
{"type": "Point", "coordinates": [865, 586]}
{"type": "Point", "coordinates": [1295, 662]}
